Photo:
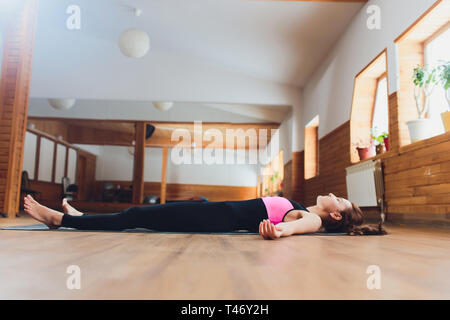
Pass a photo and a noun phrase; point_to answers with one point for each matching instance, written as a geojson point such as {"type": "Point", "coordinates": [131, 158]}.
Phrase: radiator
{"type": "Point", "coordinates": [365, 184]}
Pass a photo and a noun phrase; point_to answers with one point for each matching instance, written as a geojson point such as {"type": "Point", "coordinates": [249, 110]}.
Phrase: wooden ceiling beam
{"type": "Point", "coordinates": [122, 133]}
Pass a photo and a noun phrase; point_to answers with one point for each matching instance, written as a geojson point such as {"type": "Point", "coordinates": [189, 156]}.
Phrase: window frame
{"type": "Point", "coordinates": [376, 70]}
{"type": "Point", "coordinates": [411, 45]}
{"type": "Point", "coordinates": [383, 76]}
{"type": "Point", "coordinates": [311, 158]}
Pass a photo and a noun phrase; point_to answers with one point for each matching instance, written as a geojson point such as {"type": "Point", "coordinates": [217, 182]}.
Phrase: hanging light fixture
{"type": "Point", "coordinates": [162, 105]}
{"type": "Point", "coordinates": [62, 104]}
{"type": "Point", "coordinates": [134, 43]}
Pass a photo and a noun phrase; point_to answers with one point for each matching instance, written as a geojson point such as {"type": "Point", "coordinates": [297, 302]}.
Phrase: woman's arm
{"type": "Point", "coordinates": [309, 223]}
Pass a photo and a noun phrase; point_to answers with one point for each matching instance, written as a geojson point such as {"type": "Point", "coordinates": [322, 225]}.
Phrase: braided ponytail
{"type": "Point", "coordinates": [351, 223]}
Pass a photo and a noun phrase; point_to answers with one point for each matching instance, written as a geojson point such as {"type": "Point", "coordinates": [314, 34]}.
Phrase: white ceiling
{"type": "Point", "coordinates": [279, 42]}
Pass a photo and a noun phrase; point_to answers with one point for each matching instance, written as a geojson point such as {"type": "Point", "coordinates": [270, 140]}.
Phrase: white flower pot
{"type": "Point", "coordinates": [420, 129]}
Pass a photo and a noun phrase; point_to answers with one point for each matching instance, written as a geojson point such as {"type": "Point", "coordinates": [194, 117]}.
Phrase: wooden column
{"type": "Point", "coordinates": [298, 175]}
{"type": "Point", "coordinates": [164, 174]}
{"type": "Point", "coordinates": [14, 93]}
{"type": "Point", "coordinates": [139, 160]}
{"type": "Point", "coordinates": [258, 186]}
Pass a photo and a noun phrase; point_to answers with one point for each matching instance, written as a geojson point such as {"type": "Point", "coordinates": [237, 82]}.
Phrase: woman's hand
{"type": "Point", "coordinates": [269, 231]}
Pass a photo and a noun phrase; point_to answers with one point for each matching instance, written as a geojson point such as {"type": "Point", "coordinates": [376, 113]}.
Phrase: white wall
{"type": "Point", "coordinates": [330, 89]}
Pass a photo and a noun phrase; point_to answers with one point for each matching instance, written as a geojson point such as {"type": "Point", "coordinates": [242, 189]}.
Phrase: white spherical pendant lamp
{"type": "Point", "coordinates": [163, 105]}
{"type": "Point", "coordinates": [134, 43]}
{"type": "Point", "coordinates": [61, 104]}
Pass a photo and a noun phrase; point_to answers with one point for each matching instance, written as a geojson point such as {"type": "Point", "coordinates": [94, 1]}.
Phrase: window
{"type": "Point", "coordinates": [46, 160]}
{"type": "Point", "coordinates": [437, 51]}
{"type": "Point", "coordinates": [29, 154]}
{"type": "Point", "coordinates": [273, 175]}
{"type": "Point", "coordinates": [380, 119]}
{"type": "Point", "coordinates": [312, 148]}
{"type": "Point", "coordinates": [425, 42]}
{"type": "Point", "coordinates": [370, 106]}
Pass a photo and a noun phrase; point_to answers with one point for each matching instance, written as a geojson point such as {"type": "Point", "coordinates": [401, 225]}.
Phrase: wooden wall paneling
{"type": "Point", "coordinates": [174, 190]}
{"type": "Point", "coordinates": [287, 181]}
{"type": "Point", "coordinates": [54, 128]}
{"type": "Point", "coordinates": [394, 124]}
{"type": "Point", "coordinates": [50, 192]}
{"type": "Point", "coordinates": [86, 165]}
{"type": "Point", "coordinates": [139, 160]}
{"type": "Point", "coordinates": [298, 176]}
{"type": "Point", "coordinates": [121, 132]}
{"type": "Point", "coordinates": [96, 136]}
{"type": "Point", "coordinates": [90, 177]}
{"type": "Point", "coordinates": [81, 176]}
{"type": "Point", "coordinates": [14, 92]}
{"type": "Point", "coordinates": [164, 174]}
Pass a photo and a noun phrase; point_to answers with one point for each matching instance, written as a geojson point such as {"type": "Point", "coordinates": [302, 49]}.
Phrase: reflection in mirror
{"type": "Point", "coordinates": [94, 144]}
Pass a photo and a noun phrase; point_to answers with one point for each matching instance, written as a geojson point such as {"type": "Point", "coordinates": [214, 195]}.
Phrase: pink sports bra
{"type": "Point", "coordinates": [278, 207]}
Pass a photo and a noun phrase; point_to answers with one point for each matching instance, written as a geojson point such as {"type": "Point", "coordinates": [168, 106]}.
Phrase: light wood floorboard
{"type": "Point", "coordinates": [414, 264]}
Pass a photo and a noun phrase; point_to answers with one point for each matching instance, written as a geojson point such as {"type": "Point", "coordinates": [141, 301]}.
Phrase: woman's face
{"type": "Point", "coordinates": [331, 203]}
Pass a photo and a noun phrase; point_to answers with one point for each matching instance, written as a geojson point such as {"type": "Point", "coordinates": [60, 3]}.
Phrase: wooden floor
{"type": "Point", "coordinates": [414, 264]}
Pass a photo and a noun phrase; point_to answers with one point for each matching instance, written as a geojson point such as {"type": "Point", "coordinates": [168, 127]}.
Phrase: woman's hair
{"type": "Point", "coordinates": [351, 223]}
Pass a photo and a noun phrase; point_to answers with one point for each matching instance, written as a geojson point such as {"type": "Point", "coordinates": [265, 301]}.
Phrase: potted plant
{"type": "Point", "coordinates": [365, 150]}
{"type": "Point", "coordinates": [425, 80]}
{"type": "Point", "coordinates": [386, 140]}
{"type": "Point", "coordinates": [380, 141]}
{"type": "Point", "coordinates": [444, 76]}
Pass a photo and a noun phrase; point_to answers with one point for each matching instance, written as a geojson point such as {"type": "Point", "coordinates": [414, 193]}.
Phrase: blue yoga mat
{"type": "Point", "coordinates": [43, 227]}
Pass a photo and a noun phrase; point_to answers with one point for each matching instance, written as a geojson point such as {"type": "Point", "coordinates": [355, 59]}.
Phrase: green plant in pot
{"type": "Point", "coordinates": [380, 142]}
{"type": "Point", "coordinates": [425, 80]}
{"type": "Point", "coordinates": [444, 77]}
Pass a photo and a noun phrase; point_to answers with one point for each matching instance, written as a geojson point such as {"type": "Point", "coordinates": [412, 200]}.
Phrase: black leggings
{"type": "Point", "coordinates": [225, 216]}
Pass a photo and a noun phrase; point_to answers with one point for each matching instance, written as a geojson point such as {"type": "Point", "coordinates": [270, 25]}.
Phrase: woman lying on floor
{"type": "Point", "coordinates": [274, 217]}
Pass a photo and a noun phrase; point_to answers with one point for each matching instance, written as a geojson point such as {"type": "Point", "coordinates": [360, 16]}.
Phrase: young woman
{"type": "Point", "coordinates": [273, 217]}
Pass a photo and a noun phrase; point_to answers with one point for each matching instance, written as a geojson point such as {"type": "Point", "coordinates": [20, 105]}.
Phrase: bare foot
{"type": "Point", "coordinates": [41, 213]}
{"type": "Point", "coordinates": [68, 209]}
